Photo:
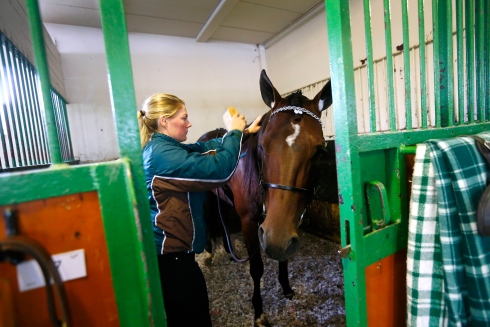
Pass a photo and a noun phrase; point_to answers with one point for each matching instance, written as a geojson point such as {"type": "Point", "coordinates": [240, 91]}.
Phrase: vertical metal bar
{"type": "Point", "coordinates": [30, 113]}
{"type": "Point", "coordinates": [350, 190]}
{"type": "Point", "coordinates": [5, 95]}
{"type": "Point", "coordinates": [479, 55]}
{"type": "Point", "coordinates": [67, 127]}
{"type": "Point", "coordinates": [486, 51]}
{"type": "Point", "coordinates": [37, 126]}
{"type": "Point", "coordinates": [423, 70]}
{"type": "Point", "coordinates": [10, 109]}
{"type": "Point", "coordinates": [59, 126]}
{"type": "Point", "coordinates": [442, 62]}
{"type": "Point", "coordinates": [61, 120]}
{"type": "Point", "coordinates": [19, 110]}
{"type": "Point", "coordinates": [24, 108]}
{"type": "Point", "coordinates": [470, 59]}
{"type": "Point", "coordinates": [124, 104]}
{"type": "Point", "coordinates": [460, 59]}
{"type": "Point", "coordinates": [43, 70]}
{"type": "Point", "coordinates": [406, 64]}
{"type": "Point", "coordinates": [450, 66]}
{"type": "Point", "coordinates": [3, 99]}
{"type": "Point", "coordinates": [389, 64]}
{"type": "Point", "coordinates": [370, 65]}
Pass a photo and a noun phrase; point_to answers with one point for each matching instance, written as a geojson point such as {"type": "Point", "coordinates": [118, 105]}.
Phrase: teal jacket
{"type": "Point", "coordinates": [177, 178]}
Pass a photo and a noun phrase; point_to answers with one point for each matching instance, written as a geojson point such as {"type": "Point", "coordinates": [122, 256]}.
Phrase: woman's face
{"type": "Point", "coordinates": [177, 126]}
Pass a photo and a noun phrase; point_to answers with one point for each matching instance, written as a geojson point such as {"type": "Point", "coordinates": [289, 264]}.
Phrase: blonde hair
{"type": "Point", "coordinates": [156, 106]}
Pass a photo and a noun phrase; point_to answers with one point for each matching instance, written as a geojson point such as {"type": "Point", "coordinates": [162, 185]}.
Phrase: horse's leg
{"type": "Point", "coordinates": [284, 280]}
{"type": "Point", "coordinates": [256, 271]}
{"type": "Point", "coordinates": [251, 238]}
{"type": "Point", "coordinates": [208, 251]}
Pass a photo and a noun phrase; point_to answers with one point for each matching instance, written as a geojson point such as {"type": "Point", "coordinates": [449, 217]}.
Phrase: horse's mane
{"type": "Point", "coordinates": [251, 160]}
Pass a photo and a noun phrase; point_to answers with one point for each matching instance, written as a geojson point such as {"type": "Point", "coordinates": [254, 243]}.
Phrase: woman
{"type": "Point", "coordinates": [177, 178]}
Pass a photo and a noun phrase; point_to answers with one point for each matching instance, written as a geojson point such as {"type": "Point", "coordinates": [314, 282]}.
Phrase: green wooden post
{"type": "Point", "coordinates": [43, 70]}
{"type": "Point", "coordinates": [124, 108]}
{"type": "Point", "coordinates": [350, 189]}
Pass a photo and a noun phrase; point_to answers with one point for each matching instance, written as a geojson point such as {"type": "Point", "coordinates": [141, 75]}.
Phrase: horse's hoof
{"type": "Point", "coordinates": [289, 295]}
{"type": "Point", "coordinates": [262, 321]}
{"type": "Point", "coordinates": [208, 259]}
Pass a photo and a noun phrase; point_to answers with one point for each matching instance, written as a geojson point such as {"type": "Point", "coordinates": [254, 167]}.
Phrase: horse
{"type": "Point", "coordinates": [275, 178]}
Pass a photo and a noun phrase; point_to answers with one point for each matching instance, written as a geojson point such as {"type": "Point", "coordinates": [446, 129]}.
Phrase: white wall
{"type": "Point", "coordinates": [301, 58]}
{"type": "Point", "coordinates": [209, 77]}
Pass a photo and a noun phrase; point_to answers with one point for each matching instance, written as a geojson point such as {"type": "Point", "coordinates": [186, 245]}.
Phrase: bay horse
{"type": "Point", "coordinates": [275, 178]}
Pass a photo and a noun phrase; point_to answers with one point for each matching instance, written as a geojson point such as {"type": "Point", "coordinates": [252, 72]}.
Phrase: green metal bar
{"type": "Point", "coordinates": [348, 168]}
{"type": "Point", "coordinates": [460, 59]}
{"type": "Point", "coordinates": [370, 65]}
{"type": "Point", "coordinates": [423, 70]}
{"type": "Point", "coordinates": [441, 13]}
{"type": "Point", "coordinates": [450, 67]}
{"type": "Point", "coordinates": [486, 51]}
{"type": "Point", "coordinates": [383, 243]}
{"type": "Point", "coordinates": [479, 61]}
{"type": "Point", "coordinates": [389, 66]}
{"type": "Point", "coordinates": [406, 64]}
{"type": "Point", "coordinates": [43, 70]}
{"type": "Point", "coordinates": [470, 58]}
{"type": "Point", "coordinates": [124, 104]}
{"type": "Point", "coordinates": [407, 149]}
{"type": "Point", "coordinates": [387, 140]}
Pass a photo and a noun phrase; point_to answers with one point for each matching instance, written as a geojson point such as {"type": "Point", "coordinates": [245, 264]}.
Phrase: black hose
{"type": "Point", "coordinates": [41, 255]}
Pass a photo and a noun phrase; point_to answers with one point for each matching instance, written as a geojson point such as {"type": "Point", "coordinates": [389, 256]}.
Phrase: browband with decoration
{"type": "Point", "coordinates": [297, 111]}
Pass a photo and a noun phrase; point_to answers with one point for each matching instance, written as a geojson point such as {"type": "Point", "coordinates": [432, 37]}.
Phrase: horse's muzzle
{"type": "Point", "coordinates": [280, 249]}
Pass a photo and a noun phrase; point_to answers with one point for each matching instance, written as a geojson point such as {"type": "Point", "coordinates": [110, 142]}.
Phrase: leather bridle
{"type": "Point", "coordinates": [266, 185]}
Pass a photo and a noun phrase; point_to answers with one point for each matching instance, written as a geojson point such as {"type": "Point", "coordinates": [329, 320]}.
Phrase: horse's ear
{"type": "Point", "coordinates": [324, 97]}
{"type": "Point", "coordinates": [268, 91]}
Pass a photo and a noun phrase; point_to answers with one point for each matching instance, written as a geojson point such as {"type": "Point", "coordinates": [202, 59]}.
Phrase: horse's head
{"type": "Point", "coordinates": [290, 142]}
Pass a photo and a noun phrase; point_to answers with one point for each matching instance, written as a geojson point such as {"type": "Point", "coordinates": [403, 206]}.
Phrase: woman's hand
{"type": "Point", "coordinates": [238, 122]}
{"type": "Point", "coordinates": [254, 127]}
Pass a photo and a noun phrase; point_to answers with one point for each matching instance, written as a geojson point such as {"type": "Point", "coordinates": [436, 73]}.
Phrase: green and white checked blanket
{"type": "Point", "coordinates": [448, 263]}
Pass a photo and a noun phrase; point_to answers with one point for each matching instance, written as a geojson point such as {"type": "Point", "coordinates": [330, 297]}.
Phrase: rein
{"type": "Point", "coordinates": [227, 235]}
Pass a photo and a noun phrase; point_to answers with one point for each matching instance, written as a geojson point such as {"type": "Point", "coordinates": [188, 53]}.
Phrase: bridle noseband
{"type": "Point", "coordinates": [265, 185]}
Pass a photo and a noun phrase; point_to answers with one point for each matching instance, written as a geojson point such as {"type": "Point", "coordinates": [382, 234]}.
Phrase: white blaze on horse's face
{"type": "Point", "coordinates": [290, 139]}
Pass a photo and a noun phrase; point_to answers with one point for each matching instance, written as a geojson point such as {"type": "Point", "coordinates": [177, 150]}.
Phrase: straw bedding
{"type": "Point", "coordinates": [315, 273]}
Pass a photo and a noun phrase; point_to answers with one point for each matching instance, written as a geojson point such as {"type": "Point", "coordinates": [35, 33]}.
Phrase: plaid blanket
{"type": "Point", "coordinates": [448, 263]}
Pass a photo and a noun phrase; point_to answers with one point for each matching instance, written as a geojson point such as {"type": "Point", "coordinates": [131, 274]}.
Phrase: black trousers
{"type": "Point", "coordinates": [185, 295]}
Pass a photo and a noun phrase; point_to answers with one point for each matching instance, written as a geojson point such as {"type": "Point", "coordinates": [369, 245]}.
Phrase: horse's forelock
{"type": "Point", "coordinates": [296, 98]}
